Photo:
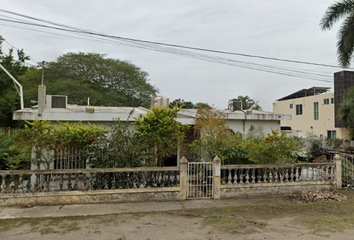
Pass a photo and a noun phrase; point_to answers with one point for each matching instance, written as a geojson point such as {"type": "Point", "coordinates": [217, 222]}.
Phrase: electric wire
{"type": "Point", "coordinates": [147, 45]}
{"type": "Point", "coordinates": [210, 60]}
{"type": "Point", "coordinates": [173, 45]}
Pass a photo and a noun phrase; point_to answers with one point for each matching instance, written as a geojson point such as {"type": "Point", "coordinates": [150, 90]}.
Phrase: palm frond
{"type": "Point", "coordinates": [345, 44]}
{"type": "Point", "coordinates": [335, 12]}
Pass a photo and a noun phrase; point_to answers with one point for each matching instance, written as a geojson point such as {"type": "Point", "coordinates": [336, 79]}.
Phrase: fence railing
{"type": "Point", "coordinates": [141, 184]}
{"type": "Point", "coordinates": [251, 174]}
{"type": "Point", "coordinates": [87, 179]}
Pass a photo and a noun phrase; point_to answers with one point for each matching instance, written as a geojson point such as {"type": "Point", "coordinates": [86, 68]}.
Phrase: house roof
{"type": "Point", "coordinates": [305, 92]}
{"type": "Point", "coordinates": [107, 114]}
{"type": "Point", "coordinates": [241, 115]}
{"type": "Point", "coordinates": [81, 113]}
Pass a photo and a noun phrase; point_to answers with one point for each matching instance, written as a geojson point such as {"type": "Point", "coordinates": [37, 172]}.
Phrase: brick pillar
{"type": "Point", "coordinates": [183, 178]}
{"type": "Point", "coordinates": [338, 171]}
{"type": "Point", "coordinates": [217, 177]}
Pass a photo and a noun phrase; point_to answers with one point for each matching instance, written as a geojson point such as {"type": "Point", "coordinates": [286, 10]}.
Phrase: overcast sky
{"type": "Point", "coordinates": [282, 29]}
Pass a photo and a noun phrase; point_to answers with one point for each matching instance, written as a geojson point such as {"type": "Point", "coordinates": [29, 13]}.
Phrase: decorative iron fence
{"type": "Point", "coordinates": [200, 180]}
{"type": "Point", "coordinates": [347, 170]}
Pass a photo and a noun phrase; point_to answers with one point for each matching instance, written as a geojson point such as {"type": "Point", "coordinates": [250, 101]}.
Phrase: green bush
{"type": "Point", "coordinates": [11, 157]}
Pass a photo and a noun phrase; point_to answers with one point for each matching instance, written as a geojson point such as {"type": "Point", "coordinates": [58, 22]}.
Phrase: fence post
{"type": "Point", "coordinates": [183, 178]}
{"type": "Point", "coordinates": [217, 177]}
{"type": "Point", "coordinates": [338, 171]}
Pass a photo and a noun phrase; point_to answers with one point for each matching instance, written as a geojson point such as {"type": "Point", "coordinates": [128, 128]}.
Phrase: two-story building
{"type": "Point", "coordinates": [312, 112]}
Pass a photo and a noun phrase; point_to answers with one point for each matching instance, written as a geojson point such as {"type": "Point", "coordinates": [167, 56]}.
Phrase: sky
{"type": "Point", "coordinates": [287, 29]}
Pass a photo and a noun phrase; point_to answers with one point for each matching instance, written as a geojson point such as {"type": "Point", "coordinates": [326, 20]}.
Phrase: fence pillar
{"type": "Point", "coordinates": [217, 177]}
{"type": "Point", "coordinates": [183, 175]}
{"type": "Point", "coordinates": [338, 171]}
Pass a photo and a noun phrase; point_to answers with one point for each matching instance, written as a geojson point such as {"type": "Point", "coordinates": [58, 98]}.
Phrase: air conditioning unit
{"type": "Point", "coordinates": [234, 105]}
{"type": "Point", "coordinates": [56, 101]}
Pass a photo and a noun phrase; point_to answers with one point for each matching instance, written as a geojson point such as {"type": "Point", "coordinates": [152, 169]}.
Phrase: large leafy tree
{"type": "Point", "coordinates": [9, 98]}
{"type": "Point", "coordinates": [346, 110]}
{"type": "Point", "coordinates": [345, 45]}
{"type": "Point", "coordinates": [248, 103]}
{"type": "Point", "coordinates": [160, 134]}
{"type": "Point", "coordinates": [215, 138]}
{"type": "Point", "coordinates": [106, 81]}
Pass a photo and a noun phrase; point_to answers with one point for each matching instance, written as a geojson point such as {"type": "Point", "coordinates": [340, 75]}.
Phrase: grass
{"type": "Point", "coordinates": [332, 223]}
{"type": "Point", "coordinates": [47, 230]}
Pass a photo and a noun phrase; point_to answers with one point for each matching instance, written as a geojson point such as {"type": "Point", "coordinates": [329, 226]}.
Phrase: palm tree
{"type": "Point", "coordinates": [345, 45]}
{"type": "Point", "coordinates": [346, 110]}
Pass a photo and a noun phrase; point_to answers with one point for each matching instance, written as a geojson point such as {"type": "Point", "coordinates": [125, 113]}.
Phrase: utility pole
{"type": "Point", "coordinates": [20, 92]}
{"type": "Point", "coordinates": [41, 93]}
{"type": "Point", "coordinates": [42, 72]}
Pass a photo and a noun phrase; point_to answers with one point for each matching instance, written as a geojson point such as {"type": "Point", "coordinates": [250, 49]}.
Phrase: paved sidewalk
{"type": "Point", "coordinates": [117, 208]}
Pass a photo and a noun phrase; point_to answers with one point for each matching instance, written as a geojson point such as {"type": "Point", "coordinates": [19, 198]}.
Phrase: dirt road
{"type": "Point", "coordinates": [290, 220]}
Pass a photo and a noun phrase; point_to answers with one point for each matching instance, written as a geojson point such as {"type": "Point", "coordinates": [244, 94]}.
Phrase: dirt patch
{"type": "Point", "coordinates": [290, 220]}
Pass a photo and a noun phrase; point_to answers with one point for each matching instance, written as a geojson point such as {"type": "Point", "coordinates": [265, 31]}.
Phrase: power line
{"type": "Point", "coordinates": [161, 48]}
{"type": "Point", "coordinates": [204, 57]}
{"type": "Point", "coordinates": [172, 45]}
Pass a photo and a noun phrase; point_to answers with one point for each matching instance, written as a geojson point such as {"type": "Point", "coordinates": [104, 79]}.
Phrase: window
{"type": "Point", "coordinates": [331, 134]}
{"type": "Point", "coordinates": [315, 111]}
{"type": "Point", "coordinates": [299, 109]}
{"type": "Point", "coordinates": [332, 100]}
{"type": "Point", "coordinates": [291, 106]}
{"type": "Point", "coordinates": [326, 101]}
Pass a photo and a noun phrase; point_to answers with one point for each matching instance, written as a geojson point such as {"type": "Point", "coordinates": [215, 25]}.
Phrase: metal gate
{"type": "Point", "coordinates": [347, 170]}
{"type": "Point", "coordinates": [200, 180]}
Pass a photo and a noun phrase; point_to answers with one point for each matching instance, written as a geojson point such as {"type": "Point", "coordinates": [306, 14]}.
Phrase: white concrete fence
{"type": "Point", "coordinates": [68, 186]}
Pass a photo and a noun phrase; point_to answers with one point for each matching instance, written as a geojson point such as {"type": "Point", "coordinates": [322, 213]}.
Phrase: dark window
{"type": "Point", "coordinates": [326, 101]}
{"type": "Point", "coordinates": [331, 134]}
{"type": "Point", "coordinates": [291, 106]}
{"type": "Point", "coordinates": [299, 109]}
{"type": "Point", "coordinates": [316, 111]}
{"type": "Point", "coordinates": [332, 100]}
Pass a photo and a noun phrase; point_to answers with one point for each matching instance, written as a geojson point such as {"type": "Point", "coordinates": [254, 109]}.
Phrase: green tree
{"type": "Point", "coordinates": [160, 134]}
{"type": "Point", "coordinates": [182, 104]}
{"type": "Point", "coordinates": [187, 104]}
{"type": "Point", "coordinates": [343, 9]}
{"type": "Point", "coordinates": [274, 148]}
{"type": "Point", "coordinates": [46, 140]}
{"type": "Point", "coordinates": [106, 81]}
{"type": "Point", "coordinates": [346, 110]}
{"type": "Point", "coordinates": [8, 152]}
{"type": "Point", "coordinates": [10, 100]}
{"type": "Point", "coordinates": [215, 138]}
{"type": "Point", "coordinates": [247, 103]}
{"type": "Point", "coordinates": [121, 149]}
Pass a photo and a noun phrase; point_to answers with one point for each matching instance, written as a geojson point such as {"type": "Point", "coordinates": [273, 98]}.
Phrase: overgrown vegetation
{"type": "Point", "coordinates": [146, 143]}
{"type": "Point", "coordinates": [11, 157]}
{"type": "Point", "coordinates": [234, 148]}
{"type": "Point", "coordinates": [45, 140]}
{"type": "Point", "coordinates": [122, 148]}
{"type": "Point", "coordinates": [273, 148]}
{"type": "Point", "coordinates": [150, 141]}
{"type": "Point", "coordinates": [160, 134]}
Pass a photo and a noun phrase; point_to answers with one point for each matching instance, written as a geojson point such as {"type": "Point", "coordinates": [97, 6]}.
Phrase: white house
{"type": "Point", "coordinates": [56, 108]}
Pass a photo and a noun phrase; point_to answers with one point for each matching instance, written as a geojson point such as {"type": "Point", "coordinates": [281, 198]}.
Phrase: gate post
{"type": "Point", "coordinates": [183, 175]}
{"type": "Point", "coordinates": [217, 177]}
{"type": "Point", "coordinates": [338, 171]}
